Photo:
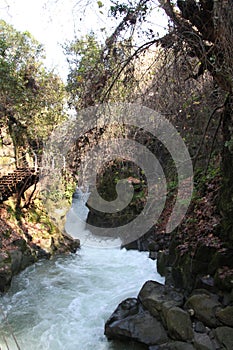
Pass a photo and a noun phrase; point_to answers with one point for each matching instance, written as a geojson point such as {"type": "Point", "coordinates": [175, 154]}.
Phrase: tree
{"type": "Point", "coordinates": [202, 29]}
{"type": "Point", "coordinates": [87, 71]}
{"type": "Point", "coordinates": [93, 68]}
{"type": "Point", "coordinates": [32, 99]}
{"type": "Point", "coordinates": [206, 29]}
{"type": "Point", "coordinates": [199, 30]}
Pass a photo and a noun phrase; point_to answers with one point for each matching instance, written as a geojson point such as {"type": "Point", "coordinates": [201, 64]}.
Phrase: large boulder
{"type": "Point", "coordinates": [162, 262]}
{"type": "Point", "coordinates": [130, 321]}
{"type": "Point", "coordinates": [22, 256]}
{"type": "Point", "coordinates": [154, 295]}
{"type": "Point", "coordinates": [224, 336]}
{"type": "Point", "coordinates": [176, 345]}
{"type": "Point", "coordinates": [203, 342]}
{"type": "Point", "coordinates": [179, 324]}
{"type": "Point", "coordinates": [14, 260]}
{"type": "Point", "coordinates": [204, 307]}
{"type": "Point", "coordinates": [226, 315]}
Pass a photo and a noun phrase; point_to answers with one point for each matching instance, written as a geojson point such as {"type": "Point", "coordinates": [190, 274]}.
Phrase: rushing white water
{"type": "Point", "coordinates": [64, 303]}
{"type": "Point", "coordinates": [75, 224]}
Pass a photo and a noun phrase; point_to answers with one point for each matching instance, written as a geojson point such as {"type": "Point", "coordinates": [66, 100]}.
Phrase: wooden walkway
{"type": "Point", "coordinates": [17, 182]}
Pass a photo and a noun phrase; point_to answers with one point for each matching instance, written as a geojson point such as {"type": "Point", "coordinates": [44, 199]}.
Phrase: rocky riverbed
{"type": "Point", "coordinates": [161, 317]}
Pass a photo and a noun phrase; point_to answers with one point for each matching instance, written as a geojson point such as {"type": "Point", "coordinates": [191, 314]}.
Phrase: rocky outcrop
{"type": "Point", "coordinates": [131, 321]}
{"type": "Point", "coordinates": [19, 255]}
{"type": "Point", "coordinates": [162, 318]}
{"type": "Point", "coordinates": [22, 246]}
{"type": "Point", "coordinates": [15, 259]}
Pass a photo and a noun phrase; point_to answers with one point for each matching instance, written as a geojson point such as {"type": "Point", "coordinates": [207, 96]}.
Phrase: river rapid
{"type": "Point", "coordinates": [62, 304]}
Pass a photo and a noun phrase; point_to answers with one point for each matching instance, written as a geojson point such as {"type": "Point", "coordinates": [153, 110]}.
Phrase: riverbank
{"type": "Point", "coordinates": [194, 309]}
{"type": "Point", "coordinates": [26, 237]}
{"type": "Point", "coordinates": [161, 317]}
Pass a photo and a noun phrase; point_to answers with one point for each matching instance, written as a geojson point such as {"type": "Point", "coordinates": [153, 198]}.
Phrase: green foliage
{"type": "Point", "coordinates": [86, 68]}
{"type": "Point", "coordinates": [133, 10]}
{"type": "Point", "coordinates": [69, 186]}
{"type": "Point", "coordinates": [100, 4]}
{"type": "Point", "coordinates": [94, 68]}
{"type": "Point", "coordinates": [128, 172]}
{"type": "Point", "coordinates": [32, 99]}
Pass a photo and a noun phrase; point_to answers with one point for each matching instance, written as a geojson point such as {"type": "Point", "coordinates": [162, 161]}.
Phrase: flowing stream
{"type": "Point", "coordinates": [63, 303]}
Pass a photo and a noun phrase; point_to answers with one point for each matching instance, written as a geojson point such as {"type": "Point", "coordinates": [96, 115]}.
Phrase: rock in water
{"type": "Point", "coordinates": [130, 321]}
{"type": "Point", "coordinates": [154, 295]}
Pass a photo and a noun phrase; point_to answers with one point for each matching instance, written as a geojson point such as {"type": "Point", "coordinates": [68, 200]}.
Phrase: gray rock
{"type": "Point", "coordinates": [153, 247]}
{"type": "Point", "coordinates": [153, 295]}
{"type": "Point", "coordinates": [16, 259]}
{"type": "Point", "coordinates": [226, 315]}
{"type": "Point", "coordinates": [203, 342]}
{"type": "Point", "coordinates": [153, 255]}
{"type": "Point", "coordinates": [5, 276]}
{"type": "Point", "coordinates": [199, 327]}
{"type": "Point", "coordinates": [225, 337]}
{"type": "Point", "coordinates": [176, 345]}
{"type": "Point", "coordinates": [179, 324]}
{"type": "Point", "coordinates": [27, 260]}
{"type": "Point", "coordinates": [162, 262]}
{"type": "Point", "coordinates": [204, 307]}
{"type": "Point", "coordinates": [21, 243]}
{"type": "Point", "coordinates": [206, 282]}
{"type": "Point", "coordinates": [228, 298]}
{"type": "Point", "coordinates": [131, 321]}
{"type": "Point", "coordinates": [126, 308]}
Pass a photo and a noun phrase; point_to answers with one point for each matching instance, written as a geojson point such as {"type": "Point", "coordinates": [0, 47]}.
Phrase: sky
{"type": "Point", "coordinates": [53, 22]}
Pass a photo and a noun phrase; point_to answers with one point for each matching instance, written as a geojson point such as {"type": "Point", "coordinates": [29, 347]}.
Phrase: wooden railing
{"type": "Point", "coordinates": [17, 182]}
{"type": "Point", "coordinates": [20, 179]}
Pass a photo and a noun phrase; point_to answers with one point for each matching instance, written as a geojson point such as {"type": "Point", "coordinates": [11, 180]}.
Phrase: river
{"type": "Point", "coordinates": [63, 303]}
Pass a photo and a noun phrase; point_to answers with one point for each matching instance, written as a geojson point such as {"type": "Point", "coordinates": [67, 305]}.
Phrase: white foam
{"type": "Point", "coordinates": [64, 303]}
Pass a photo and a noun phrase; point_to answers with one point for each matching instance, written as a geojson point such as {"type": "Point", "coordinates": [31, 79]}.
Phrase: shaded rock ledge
{"type": "Point", "coordinates": [19, 249]}
{"type": "Point", "coordinates": [161, 317]}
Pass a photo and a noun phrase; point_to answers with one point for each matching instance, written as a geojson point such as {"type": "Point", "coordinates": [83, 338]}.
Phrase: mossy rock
{"type": "Point", "coordinates": [162, 262]}
{"type": "Point", "coordinates": [226, 316]}
{"type": "Point", "coordinates": [176, 345]}
{"type": "Point", "coordinates": [5, 276]}
{"type": "Point", "coordinates": [205, 253]}
{"type": "Point", "coordinates": [154, 296]}
{"type": "Point", "coordinates": [224, 279]}
{"type": "Point", "coordinates": [224, 336]}
{"type": "Point", "coordinates": [202, 342]}
{"type": "Point", "coordinates": [220, 259]}
{"type": "Point", "coordinates": [182, 276]}
{"type": "Point", "coordinates": [204, 307]}
{"type": "Point", "coordinates": [179, 324]}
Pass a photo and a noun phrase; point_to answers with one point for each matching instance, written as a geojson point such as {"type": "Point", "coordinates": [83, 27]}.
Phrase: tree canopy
{"type": "Point", "coordinates": [198, 44]}
{"type": "Point", "coordinates": [32, 99]}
